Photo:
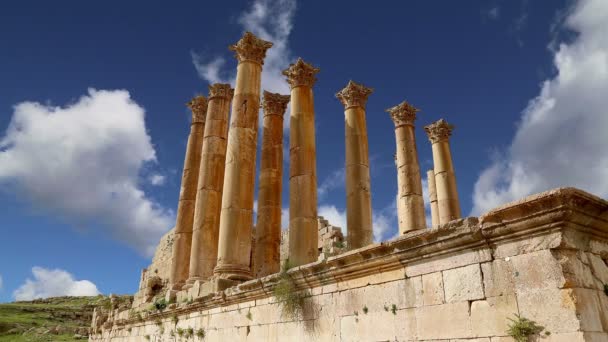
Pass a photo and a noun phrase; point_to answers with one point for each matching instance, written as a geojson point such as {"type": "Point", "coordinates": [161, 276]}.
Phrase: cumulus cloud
{"type": "Point", "coordinates": [271, 21]}
{"type": "Point", "coordinates": [1, 283]}
{"type": "Point", "coordinates": [53, 283]}
{"type": "Point", "coordinates": [157, 179]}
{"type": "Point", "coordinates": [384, 221]}
{"type": "Point", "coordinates": [561, 138]}
{"type": "Point", "coordinates": [82, 162]}
{"type": "Point", "coordinates": [492, 13]}
{"type": "Point", "coordinates": [335, 180]}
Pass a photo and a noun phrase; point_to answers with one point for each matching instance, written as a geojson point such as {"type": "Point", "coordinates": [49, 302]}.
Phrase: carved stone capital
{"type": "Point", "coordinates": [274, 103]}
{"type": "Point", "coordinates": [354, 95]}
{"type": "Point", "coordinates": [439, 131]}
{"type": "Point", "coordinates": [198, 105]}
{"type": "Point", "coordinates": [301, 73]}
{"type": "Point", "coordinates": [221, 90]}
{"type": "Point", "coordinates": [403, 114]}
{"type": "Point", "coordinates": [250, 48]}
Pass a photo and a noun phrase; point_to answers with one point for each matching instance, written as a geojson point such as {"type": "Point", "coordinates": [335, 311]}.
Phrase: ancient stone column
{"type": "Point", "coordinates": [445, 180]}
{"type": "Point", "coordinates": [303, 230]}
{"type": "Point", "coordinates": [210, 182]}
{"type": "Point", "coordinates": [187, 195]}
{"type": "Point", "coordinates": [410, 204]}
{"type": "Point", "coordinates": [268, 227]}
{"type": "Point", "coordinates": [358, 183]}
{"type": "Point", "coordinates": [236, 217]}
{"type": "Point", "coordinates": [430, 177]}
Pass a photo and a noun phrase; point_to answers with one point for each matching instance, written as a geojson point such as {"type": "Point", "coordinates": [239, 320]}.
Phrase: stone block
{"type": "Point", "coordinates": [498, 278]}
{"type": "Point", "coordinates": [576, 269]}
{"type": "Point", "coordinates": [490, 317]}
{"type": "Point", "coordinates": [463, 283]}
{"type": "Point", "coordinates": [379, 326]}
{"type": "Point", "coordinates": [598, 267]}
{"type": "Point", "coordinates": [446, 262]}
{"type": "Point", "coordinates": [552, 308]}
{"type": "Point", "coordinates": [412, 287]}
{"type": "Point", "coordinates": [446, 321]}
{"type": "Point", "coordinates": [432, 289]}
{"type": "Point", "coordinates": [538, 270]}
{"type": "Point", "coordinates": [527, 245]}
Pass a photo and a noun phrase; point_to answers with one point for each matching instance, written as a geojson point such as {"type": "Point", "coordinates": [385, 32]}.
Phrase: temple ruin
{"type": "Point", "coordinates": [215, 275]}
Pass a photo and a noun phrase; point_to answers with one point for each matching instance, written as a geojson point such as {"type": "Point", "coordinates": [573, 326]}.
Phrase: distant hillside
{"type": "Point", "coordinates": [50, 319]}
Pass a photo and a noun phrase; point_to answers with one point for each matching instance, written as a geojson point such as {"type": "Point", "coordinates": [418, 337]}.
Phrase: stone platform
{"type": "Point", "coordinates": [543, 258]}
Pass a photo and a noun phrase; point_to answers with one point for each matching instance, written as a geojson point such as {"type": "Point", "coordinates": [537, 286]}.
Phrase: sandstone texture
{"type": "Point", "coordinates": [543, 258]}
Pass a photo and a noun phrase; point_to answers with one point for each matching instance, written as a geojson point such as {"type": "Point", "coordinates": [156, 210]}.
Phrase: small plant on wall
{"type": "Point", "coordinates": [521, 329]}
{"type": "Point", "coordinates": [287, 295]}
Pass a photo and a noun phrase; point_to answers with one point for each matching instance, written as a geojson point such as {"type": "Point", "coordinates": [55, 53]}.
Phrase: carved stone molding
{"type": "Point", "coordinates": [250, 48]}
{"type": "Point", "coordinates": [354, 95]}
{"type": "Point", "coordinates": [198, 105]}
{"type": "Point", "coordinates": [439, 130]}
{"type": "Point", "coordinates": [301, 73]}
{"type": "Point", "coordinates": [221, 90]}
{"type": "Point", "coordinates": [274, 103]}
{"type": "Point", "coordinates": [403, 114]}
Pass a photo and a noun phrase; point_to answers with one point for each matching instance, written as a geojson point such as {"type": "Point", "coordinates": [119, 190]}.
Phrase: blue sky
{"type": "Point", "coordinates": [93, 123]}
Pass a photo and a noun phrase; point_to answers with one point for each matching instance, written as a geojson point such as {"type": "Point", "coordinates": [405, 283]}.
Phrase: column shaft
{"type": "Point", "coordinates": [236, 218]}
{"type": "Point", "coordinates": [268, 227]}
{"type": "Point", "coordinates": [187, 196]}
{"type": "Point", "coordinates": [430, 175]}
{"type": "Point", "coordinates": [410, 203]}
{"type": "Point", "coordinates": [303, 227]}
{"type": "Point", "coordinates": [210, 182]}
{"type": "Point", "coordinates": [358, 183]}
{"type": "Point", "coordinates": [445, 179]}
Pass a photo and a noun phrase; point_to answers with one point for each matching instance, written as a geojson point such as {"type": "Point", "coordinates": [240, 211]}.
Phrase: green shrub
{"type": "Point", "coordinates": [522, 328]}
{"type": "Point", "coordinates": [200, 333]}
{"type": "Point", "coordinates": [160, 304]}
{"type": "Point", "coordinates": [290, 300]}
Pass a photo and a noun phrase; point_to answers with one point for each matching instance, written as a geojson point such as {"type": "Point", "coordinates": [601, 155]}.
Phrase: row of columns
{"type": "Point", "coordinates": [214, 226]}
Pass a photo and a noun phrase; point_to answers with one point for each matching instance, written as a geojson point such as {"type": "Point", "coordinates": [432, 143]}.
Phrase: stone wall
{"type": "Point", "coordinates": [155, 277]}
{"type": "Point", "coordinates": [544, 258]}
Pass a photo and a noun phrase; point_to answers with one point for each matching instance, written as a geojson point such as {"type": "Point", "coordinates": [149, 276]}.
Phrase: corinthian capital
{"type": "Point", "coordinates": [403, 114]}
{"type": "Point", "coordinates": [301, 73]}
{"type": "Point", "coordinates": [439, 130]}
{"type": "Point", "coordinates": [250, 48]}
{"type": "Point", "coordinates": [354, 95]}
{"type": "Point", "coordinates": [198, 105]}
{"type": "Point", "coordinates": [274, 103]}
{"type": "Point", "coordinates": [221, 90]}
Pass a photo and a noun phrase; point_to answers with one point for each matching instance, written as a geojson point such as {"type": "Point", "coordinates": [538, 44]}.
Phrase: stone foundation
{"type": "Point", "coordinates": [544, 258]}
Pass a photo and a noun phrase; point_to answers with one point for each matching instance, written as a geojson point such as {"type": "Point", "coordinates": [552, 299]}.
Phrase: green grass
{"type": "Point", "coordinates": [69, 313]}
{"type": "Point", "coordinates": [33, 338]}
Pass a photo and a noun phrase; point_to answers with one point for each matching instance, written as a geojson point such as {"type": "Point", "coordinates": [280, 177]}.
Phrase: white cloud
{"type": "Point", "coordinates": [83, 161]}
{"type": "Point", "coordinates": [53, 283]}
{"type": "Point", "coordinates": [335, 180]}
{"type": "Point", "coordinates": [561, 139]}
{"type": "Point", "coordinates": [384, 221]}
{"type": "Point", "coordinates": [1, 283]}
{"type": "Point", "coordinates": [272, 21]}
{"type": "Point", "coordinates": [492, 13]}
{"type": "Point", "coordinates": [157, 179]}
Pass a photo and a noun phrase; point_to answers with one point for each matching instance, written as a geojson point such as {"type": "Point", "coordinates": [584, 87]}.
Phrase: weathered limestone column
{"type": "Point", "coordinates": [210, 183]}
{"type": "Point", "coordinates": [445, 180]}
{"type": "Point", "coordinates": [187, 195]}
{"type": "Point", "coordinates": [236, 217]}
{"type": "Point", "coordinates": [410, 204]}
{"type": "Point", "coordinates": [303, 229]}
{"type": "Point", "coordinates": [430, 177]}
{"type": "Point", "coordinates": [268, 228]}
{"type": "Point", "coordinates": [358, 183]}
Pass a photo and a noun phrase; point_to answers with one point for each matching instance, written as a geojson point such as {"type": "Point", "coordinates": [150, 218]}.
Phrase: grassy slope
{"type": "Point", "coordinates": [66, 312]}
